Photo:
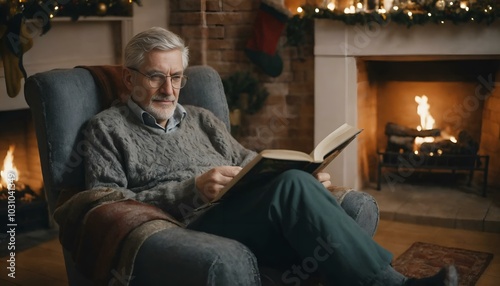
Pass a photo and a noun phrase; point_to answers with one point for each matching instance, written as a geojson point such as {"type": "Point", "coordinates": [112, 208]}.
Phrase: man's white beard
{"type": "Point", "coordinates": [160, 114]}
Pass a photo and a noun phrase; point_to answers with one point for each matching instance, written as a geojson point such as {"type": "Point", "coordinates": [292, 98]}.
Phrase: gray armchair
{"type": "Point", "coordinates": [63, 100]}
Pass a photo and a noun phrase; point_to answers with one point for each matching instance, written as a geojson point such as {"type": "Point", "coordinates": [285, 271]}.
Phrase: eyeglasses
{"type": "Point", "coordinates": [157, 80]}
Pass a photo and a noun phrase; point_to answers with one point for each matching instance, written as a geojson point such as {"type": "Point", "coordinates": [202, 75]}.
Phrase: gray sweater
{"type": "Point", "coordinates": [155, 167]}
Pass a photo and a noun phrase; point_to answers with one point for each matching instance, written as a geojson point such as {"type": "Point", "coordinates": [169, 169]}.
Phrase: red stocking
{"type": "Point", "coordinates": [261, 47]}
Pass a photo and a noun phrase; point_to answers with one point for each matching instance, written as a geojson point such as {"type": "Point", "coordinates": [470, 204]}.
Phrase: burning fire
{"type": "Point", "coordinates": [8, 168]}
{"type": "Point", "coordinates": [426, 122]}
{"type": "Point", "coordinates": [426, 119]}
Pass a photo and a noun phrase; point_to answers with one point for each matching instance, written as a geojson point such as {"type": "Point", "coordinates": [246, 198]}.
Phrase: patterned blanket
{"type": "Point", "coordinates": [103, 231]}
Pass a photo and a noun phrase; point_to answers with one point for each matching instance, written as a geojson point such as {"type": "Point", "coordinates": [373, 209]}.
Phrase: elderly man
{"type": "Point", "coordinates": [158, 152]}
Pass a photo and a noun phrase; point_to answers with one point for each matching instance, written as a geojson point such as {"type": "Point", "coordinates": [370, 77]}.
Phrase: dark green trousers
{"type": "Point", "coordinates": [294, 224]}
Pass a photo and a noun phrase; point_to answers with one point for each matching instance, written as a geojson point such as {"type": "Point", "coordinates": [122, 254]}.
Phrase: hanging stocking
{"type": "Point", "coordinates": [261, 47]}
{"type": "Point", "coordinates": [14, 42]}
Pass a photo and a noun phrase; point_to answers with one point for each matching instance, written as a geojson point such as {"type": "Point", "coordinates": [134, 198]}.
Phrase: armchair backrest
{"type": "Point", "coordinates": [63, 100]}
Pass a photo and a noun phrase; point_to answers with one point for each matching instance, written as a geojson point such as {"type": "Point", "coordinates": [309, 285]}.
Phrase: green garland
{"type": "Point", "coordinates": [46, 9]}
{"type": "Point", "coordinates": [480, 12]}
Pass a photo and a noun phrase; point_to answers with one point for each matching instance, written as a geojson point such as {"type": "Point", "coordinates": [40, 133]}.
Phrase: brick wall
{"type": "Point", "coordinates": [286, 120]}
{"type": "Point", "coordinates": [490, 137]}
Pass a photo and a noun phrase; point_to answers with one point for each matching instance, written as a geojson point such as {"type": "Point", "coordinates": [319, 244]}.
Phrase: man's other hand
{"type": "Point", "coordinates": [324, 178]}
{"type": "Point", "coordinates": [211, 182]}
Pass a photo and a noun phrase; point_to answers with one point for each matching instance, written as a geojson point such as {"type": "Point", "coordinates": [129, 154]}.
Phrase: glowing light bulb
{"type": "Point", "coordinates": [300, 10]}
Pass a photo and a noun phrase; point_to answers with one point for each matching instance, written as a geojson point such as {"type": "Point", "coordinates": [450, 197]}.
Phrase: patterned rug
{"type": "Point", "coordinates": [424, 259]}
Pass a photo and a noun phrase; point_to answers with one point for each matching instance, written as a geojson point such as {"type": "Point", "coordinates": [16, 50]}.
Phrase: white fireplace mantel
{"type": "Point", "coordinates": [338, 45]}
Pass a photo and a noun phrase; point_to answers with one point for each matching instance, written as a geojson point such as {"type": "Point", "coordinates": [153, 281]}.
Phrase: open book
{"type": "Point", "coordinates": [269, 163]}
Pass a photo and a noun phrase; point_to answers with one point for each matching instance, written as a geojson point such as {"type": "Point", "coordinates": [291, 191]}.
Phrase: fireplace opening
{"type": "Point", "coordinates": [423, 120]}
{"type": "Point", "coordinates": [22, 199]}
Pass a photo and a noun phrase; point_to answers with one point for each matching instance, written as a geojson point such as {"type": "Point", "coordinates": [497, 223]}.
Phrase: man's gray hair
{"type": "Point", "coordinates": [151, 39]}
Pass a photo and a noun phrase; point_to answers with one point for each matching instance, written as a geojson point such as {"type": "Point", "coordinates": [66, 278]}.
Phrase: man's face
{"type": "Point", "coordinates": [159, 102]}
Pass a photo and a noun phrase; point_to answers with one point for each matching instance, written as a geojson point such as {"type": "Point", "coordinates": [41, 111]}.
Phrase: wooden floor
{"type": "Point", "coordinates": [43, 265]}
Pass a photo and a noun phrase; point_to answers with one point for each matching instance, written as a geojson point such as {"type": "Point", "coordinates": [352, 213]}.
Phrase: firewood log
{"type": "Point", "coordinates": [399, 130]}
{"type": "Point", "coordinates": [400, 143]}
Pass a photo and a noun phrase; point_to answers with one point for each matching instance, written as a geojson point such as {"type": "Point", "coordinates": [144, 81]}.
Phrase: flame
{"type": "Point", "coordinates": [426, 119]}
{"type": "Point", "coordinates": [9, 168]}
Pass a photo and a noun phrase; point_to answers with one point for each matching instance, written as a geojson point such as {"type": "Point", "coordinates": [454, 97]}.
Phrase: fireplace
{"type": "Point", "coordinates": [428, 118]}
{"type": "Point", "coordinates": [376, 74]}
{"type": "Point", "coordinates": [22, 182]}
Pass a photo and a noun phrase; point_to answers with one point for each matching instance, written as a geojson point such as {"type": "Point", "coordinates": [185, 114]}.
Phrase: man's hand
{"type": "Point", "coordinates": [211, 182]}
{"type": "Point", "coordinates": [324, 178]}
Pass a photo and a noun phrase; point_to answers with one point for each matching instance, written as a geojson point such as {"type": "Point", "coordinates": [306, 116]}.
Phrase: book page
{"type": "Point", "coordinates": [282, 154]}
{"type": "Point", "coordinates": [334, 140]}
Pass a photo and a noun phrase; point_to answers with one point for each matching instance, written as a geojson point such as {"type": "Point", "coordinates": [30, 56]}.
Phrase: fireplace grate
{"type": "Point", "coordinates": [408, 161]}
{"type": "Point", "coordinates": [31, 211]}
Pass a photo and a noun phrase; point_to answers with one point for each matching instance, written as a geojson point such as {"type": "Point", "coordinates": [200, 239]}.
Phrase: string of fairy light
{"type": "Point", "coordinates": [74, 9]}
{"type": "Point", "coordinates": [455, 11]}
{"type": "Point", "coordinates": [405, 13]}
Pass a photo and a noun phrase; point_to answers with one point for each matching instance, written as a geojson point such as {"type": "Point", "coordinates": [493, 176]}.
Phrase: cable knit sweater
{"type": "Point", "coordinates": [155, 167]}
